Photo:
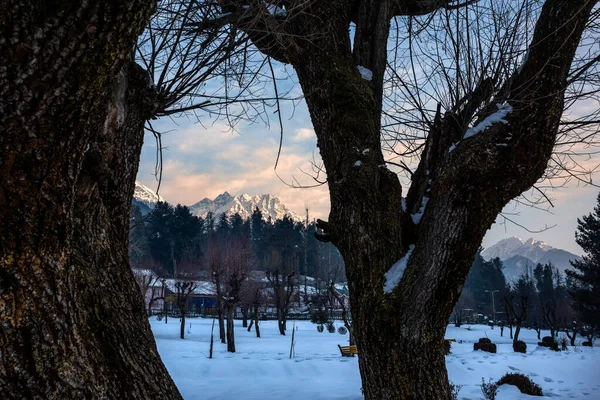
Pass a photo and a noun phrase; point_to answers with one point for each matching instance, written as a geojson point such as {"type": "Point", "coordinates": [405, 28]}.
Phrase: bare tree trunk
{"type": "Point", "coordinates": [245, 316]}
{"type": "Point", "coordinates": [573, 336]}
{"type": "Point", "coordinates": [182, 327]}
{"type": "Point", "coordinates": [221, 319]}
{"type": "Point", "coordinates": [256, 325]}
{"type": "Point", "coordinates": [517, 331]}
{"type": "Point", "coordinates": [230, 332]}
{"type": "Point", "coordinates": [72, 130]}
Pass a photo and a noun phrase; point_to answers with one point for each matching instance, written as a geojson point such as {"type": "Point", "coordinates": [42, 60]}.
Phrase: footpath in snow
{"type": "Point", "coordinates": [262, 370]}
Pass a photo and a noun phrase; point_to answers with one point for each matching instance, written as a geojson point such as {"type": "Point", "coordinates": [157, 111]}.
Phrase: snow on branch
{"type": "Point", "coordinates": [498, 116]}
{"type": "Point", "coordinates": [393, 276]}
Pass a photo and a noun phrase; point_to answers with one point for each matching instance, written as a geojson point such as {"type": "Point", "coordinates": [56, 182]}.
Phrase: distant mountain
{"type": "Point", "coordinates": [145, 198]}
{"type": "Point", "coordinates": [244, 204]}
{"type": "Point", "coordinates": [517, 265]}
{"type": "Point", "coordinates": [517, 254]}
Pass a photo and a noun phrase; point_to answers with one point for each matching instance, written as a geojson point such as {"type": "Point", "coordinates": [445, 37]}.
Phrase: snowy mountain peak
{"type": "Point", "coordinates": [518, 254]}
{"type": "Point", "coordinates": [244, 204]}
{"type": "Point", "coordinates": [504, 249]}
{"type": "Point", "coordinates": [223, 198]}
{"type": "Point", "coordinates": [145, 198]}
{"type": "Point", "coordinates": [509, 247]}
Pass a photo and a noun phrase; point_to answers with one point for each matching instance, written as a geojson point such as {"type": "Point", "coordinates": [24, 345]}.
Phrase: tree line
{"type": "Point", "coordinates": [228, 251]}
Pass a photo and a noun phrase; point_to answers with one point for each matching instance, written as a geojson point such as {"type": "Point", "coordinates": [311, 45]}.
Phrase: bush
{"type": "Point", "coordinates": [320, 328]}
{"type": "Point", "coordinates": [454, 389]}
{"type": "Point", "coordinates": [489, 389]}
{"type": "Point", "coordinates": [159, 317]}
{"type": "Point", "coordinates": [548, 341]}
{"type": "Point", "coordinates": [485, 344]}
{"type": "Point", "coordinates": [447, 347]}
{"type": "Point", "coordinates": [525, 385]}
{"type": "Point", "coordinates": [586, 344]}
{"type": "Point", "coordinates": [520, 346]}
{"type": "Point", "coordinates": [342, 330]}
{"type": "Point", "coordinates": [330, 327]}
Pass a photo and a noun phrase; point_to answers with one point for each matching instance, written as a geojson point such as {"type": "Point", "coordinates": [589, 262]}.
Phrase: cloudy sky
{"type": "Point", "coordinates": [207, 160]}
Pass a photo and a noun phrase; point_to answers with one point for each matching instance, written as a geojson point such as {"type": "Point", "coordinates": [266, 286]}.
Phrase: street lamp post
{"type": "Point", "coordinates": [493, 304]}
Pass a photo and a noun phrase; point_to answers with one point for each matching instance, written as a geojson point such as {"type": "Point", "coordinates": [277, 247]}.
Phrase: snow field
{"type": "Point", "coordinates": [262, 370]}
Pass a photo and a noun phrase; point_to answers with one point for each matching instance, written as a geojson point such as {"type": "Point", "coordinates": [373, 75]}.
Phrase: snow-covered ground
{"type": "Point", "coordinates": [262, 370]}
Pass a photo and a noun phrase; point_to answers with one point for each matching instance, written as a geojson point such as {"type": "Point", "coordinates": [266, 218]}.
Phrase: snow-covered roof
{"type": "Point", "coordinates": [201, 287]}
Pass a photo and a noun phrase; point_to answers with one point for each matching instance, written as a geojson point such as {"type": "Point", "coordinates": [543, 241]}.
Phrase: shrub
{"type": "Point", "coordinates": [485, 344]}
{"type": "Point", "coordinates": [520, 346]}
{"type": "Point", "coordinates": [342, 330]}
{"type": "Point", "coordinates": [548, 341]}
{"type": "Point", "coordinates": [320, 328]}
{"type": "Point", "coordinates": [525, 385]}
{"type": "Point", "coordinates": [586, 344]}
{"type": "Point", "coordinates": [447, 346]}
{"type": "Point", "coordinates": [489, 389]}
{"type": "Point", "coordinates": [159, 317]}
{"type": "Point", "coordinates": [454, 389]}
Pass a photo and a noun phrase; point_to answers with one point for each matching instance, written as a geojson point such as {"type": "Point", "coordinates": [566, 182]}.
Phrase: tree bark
{"type": "Point", "coordinates": [73, 322]}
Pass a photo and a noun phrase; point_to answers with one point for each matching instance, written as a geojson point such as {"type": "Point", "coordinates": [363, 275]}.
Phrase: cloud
{"type": "Point", "coordinates": [303, 134]}
{"type": "Point", "coordinates": [203, 162]}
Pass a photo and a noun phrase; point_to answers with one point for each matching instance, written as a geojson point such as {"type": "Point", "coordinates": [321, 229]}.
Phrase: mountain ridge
{"type": "Point", "coordinates": [519, 256]}
{"type": "Point", "coordinates": [244, 204]}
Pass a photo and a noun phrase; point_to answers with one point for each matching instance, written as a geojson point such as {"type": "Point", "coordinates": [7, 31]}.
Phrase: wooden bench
{"type": "Point", "coordinates": [348, 351]}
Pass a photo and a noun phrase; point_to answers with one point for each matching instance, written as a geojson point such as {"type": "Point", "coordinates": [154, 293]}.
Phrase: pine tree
{"type": "Point", "coordinates": [161, 235]}
{"type": "Point", "coordinates": [585, 277]}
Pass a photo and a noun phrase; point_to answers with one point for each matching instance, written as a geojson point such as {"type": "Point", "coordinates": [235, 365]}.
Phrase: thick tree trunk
{"type": "Point", "coordinates": [230, 331]}
{"type": "Point", "coordinates": [400, 329]}
{"type": "Point", "coordinates": [73, 322]}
